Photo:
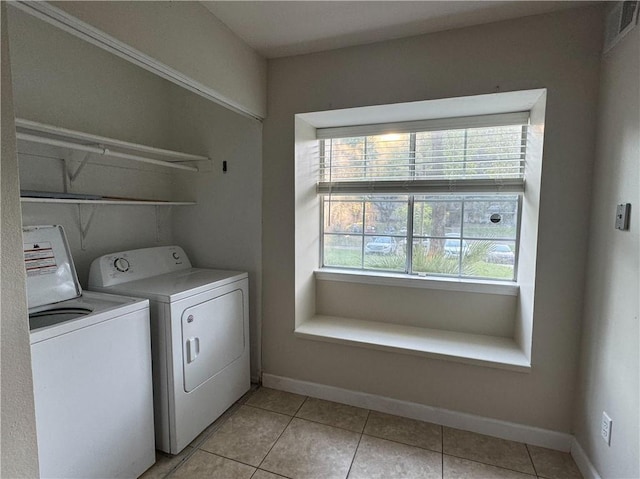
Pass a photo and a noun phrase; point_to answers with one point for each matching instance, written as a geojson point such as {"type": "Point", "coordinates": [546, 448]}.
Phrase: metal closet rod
{"type": "Point", "coordinates": [101, 151]}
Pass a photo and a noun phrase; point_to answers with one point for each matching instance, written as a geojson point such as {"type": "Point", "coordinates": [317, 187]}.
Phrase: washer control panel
{"type": "Point", "coordinates": [125, 266]}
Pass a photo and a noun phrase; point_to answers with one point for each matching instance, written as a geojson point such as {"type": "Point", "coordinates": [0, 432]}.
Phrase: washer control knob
{"type": "Point", "coordinates": [121, 264]}
{"type": "Point", "coordinates": [175, 255]}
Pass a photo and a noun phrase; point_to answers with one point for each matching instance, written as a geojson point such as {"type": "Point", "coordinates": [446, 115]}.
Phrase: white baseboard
{"type": "Point", "coordinates": [469, 422]}
{"type": "Point", "coordinates": [583, 462]}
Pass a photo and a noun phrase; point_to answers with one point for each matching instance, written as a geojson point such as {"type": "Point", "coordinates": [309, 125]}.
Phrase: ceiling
{"type": "Point", "coordinates": [284, 28]}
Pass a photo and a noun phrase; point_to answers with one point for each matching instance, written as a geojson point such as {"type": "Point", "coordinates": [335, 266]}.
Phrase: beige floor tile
{"type": "Point", "coordinates": [456, 468]}
{"type": "Point", "coordinates": [165, 463]}
{"type": "Point", "coordinates": [310, 450]}
{"type": "Point", "coordinates": [333, 414]}
{"type": "Point", "coordinates": [407, 431]}
{"type": "Point", "coordinates": [379, 458]}
{"type": "Point", "coordinates": [248, 394]}
{"type": "Point", "coordinates": [204, 465]}
{"type": "Point", "coordinates": [487, 449]}
{"type": "Point", "coordinates": [200, 438]}
{"type": "Point", "coordinates": [260, 474]}
{"type": "Point", "coordinates": [204, 435]}
{"type": "Point", "coordinates": [247, 435]}
{"type": "Point", "coordinates": [274, 400]}
{"type": "Point", "coordinates": [552, 464]}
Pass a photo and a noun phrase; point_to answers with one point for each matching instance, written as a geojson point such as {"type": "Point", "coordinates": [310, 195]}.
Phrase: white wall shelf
{"type": "Point", "coordinates": [29, 199]}
{"type": "Point", "coordinates": [35, 132]}
{"type": "Point", "coordinates": [87, 208]}
{"type": "Point", "coordinates": [92, 146]}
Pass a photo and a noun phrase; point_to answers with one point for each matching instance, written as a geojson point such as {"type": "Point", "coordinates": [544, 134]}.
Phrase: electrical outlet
{"type": "Point", "coordinates": [605, 428]}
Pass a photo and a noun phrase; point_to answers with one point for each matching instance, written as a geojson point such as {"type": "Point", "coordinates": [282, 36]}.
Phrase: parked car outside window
{"type": "Point", "coordinates": [501, 253]}
{"type": "Point", "coordinates": [382, 245]}
{"type": "Point", "coordinates": [452, 248]}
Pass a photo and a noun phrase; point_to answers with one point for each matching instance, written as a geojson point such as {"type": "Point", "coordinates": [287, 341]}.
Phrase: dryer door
{"type": "Point", "coordinates": [212, 337]}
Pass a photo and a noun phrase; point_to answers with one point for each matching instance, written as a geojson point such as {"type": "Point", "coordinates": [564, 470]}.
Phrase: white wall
{"type": "Point", "coordinates": [559, 52]}
{"type": "Point", "coordinates": [475, 313]}
{"type": "Point", "coordinates": [307, 242]}
{"type": "Point", "coordinates": [19, 443]}
{"type": "Point", "coordinates": [610, 362]}
{"type": "Point", "coordinates": [188, 38]}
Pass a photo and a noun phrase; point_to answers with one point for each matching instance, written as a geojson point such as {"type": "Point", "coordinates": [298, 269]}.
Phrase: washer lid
{"type": "Point", "coordinates": [51, 275]}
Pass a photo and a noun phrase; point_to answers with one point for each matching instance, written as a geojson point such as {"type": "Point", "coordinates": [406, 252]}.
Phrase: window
{"type": "Point", "coordinates": [437, 198]}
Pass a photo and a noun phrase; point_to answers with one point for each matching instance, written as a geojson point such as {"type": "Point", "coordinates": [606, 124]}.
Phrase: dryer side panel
{"type": "Point", "coordinates": [212, 337]}
{"type": "Point", "coordinates": [162, 373]}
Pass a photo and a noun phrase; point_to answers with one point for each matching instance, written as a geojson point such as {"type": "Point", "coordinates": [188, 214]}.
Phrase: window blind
{"type": "Point", "coordinates": [458, 159]}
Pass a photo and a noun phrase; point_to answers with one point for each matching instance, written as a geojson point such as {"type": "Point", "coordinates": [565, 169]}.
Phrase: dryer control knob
{"type": "Point", "coordinates": [121, 264]}
{"type": "Point", "coordinates": [175, 255]}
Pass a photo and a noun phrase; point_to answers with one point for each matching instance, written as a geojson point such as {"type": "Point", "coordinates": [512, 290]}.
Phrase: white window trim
{"type": "Point", "coordinates": [479, 121]}
{"type": "Point", "coordinates": [453, 186]}
{"type": "Point", "coordinates": [306, 270]}
{"type": "Point", "coordinates": [444, 283]}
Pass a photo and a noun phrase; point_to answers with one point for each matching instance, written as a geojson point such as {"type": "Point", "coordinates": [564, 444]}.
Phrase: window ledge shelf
{"type": "Point", "coordinates": [394, 279]}
{"type": "Point", "coordinates": [489, 351]}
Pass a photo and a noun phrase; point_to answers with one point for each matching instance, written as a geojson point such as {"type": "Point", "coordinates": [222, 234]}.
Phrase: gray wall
{"type": "Point", "coordinates": [18, 424]}
{"type": "Point", "coordinates": [610, 363]}
{"type": "Point", "coordinates": [224, 230]}
{"type": "Point", "coordinates": [559, 52]}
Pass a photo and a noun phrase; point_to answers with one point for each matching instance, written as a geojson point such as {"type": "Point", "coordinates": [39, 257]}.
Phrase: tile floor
{"type": "Point", "coordinates": [271, 434]}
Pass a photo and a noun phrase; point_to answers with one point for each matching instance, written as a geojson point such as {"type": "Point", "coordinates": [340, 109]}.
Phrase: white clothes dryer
{"type": "Point", "coordinates": [91, 364]}
{"type": "Point", "coordinates": [199, 331]}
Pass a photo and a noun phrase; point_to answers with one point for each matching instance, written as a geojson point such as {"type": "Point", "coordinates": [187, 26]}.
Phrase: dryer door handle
{"type": "Point", "coordinates": [193, 349]}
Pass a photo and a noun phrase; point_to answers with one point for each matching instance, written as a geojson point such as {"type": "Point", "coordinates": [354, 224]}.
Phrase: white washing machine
{"type": "Point", "coordinates": [199, 335]}
{"type": "Point", "coordinates": [91, 362]}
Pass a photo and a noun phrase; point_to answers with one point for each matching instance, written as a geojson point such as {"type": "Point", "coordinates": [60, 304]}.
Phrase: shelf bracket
{"type": "Point", "coordinates": [85, 225]}
{"type": "Point", "coordinates": [72, 175]}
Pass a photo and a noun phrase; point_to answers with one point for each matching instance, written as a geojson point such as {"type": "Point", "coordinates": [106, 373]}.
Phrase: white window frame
{"type": "Point", "coordinates": [459, 187]}
{"type": "Point", "coordinates": [409, 238]}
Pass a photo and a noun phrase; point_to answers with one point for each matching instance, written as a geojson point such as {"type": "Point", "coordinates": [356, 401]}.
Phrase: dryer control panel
{"type": "Point", "coordinates": [125, 266]}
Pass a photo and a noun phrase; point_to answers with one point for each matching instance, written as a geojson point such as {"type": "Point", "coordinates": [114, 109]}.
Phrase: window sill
{"type": "Point", "coordinates": [402, 280]}
{"type": "Point", "coordinates": [489, 351]}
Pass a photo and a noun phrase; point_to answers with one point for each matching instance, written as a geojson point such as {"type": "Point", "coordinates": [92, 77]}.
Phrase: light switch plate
{"type": "Point", "coordinates": [605, 428]}
{"type": "Point", "coordinates": [622, 216]}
